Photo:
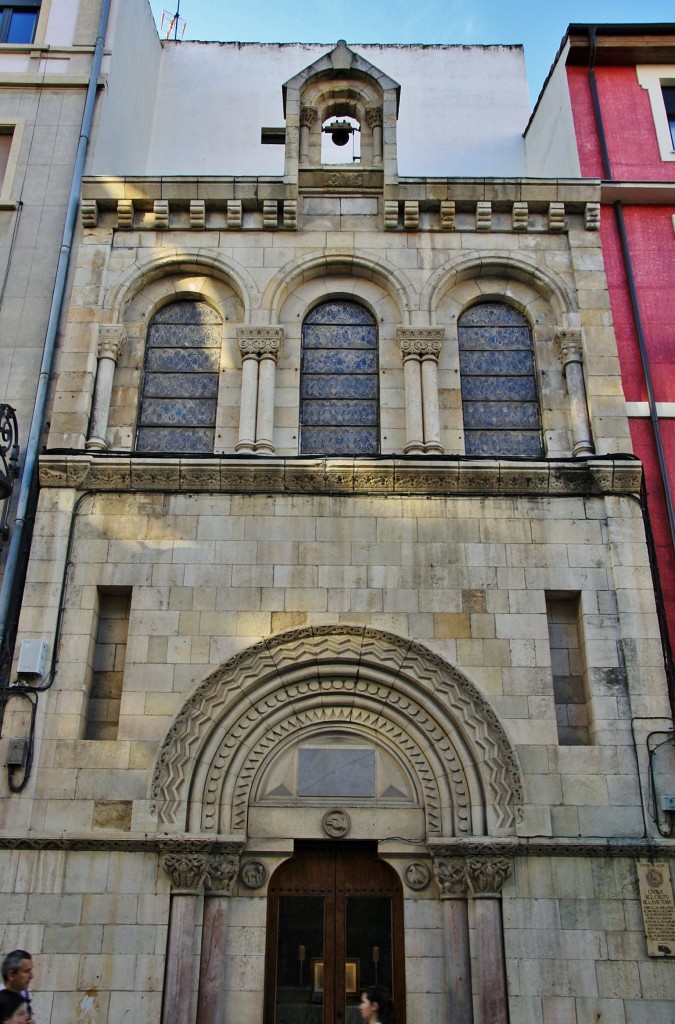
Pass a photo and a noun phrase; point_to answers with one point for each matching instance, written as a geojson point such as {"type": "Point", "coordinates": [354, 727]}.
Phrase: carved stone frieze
{"type": "Point", "coordinates": [420, 341]}
{"type": "Point", "coordinates": [260, 340]}
{"type": "Point", "coordinates": [112, 339]}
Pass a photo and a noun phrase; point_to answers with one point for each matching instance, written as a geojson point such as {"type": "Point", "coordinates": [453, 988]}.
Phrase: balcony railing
{"type": "Point", "coordinates": [9, 463]}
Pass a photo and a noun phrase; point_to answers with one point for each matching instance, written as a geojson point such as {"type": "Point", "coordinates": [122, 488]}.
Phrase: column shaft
{"type": "Point", "coordinates": [211, 1003]}
{"type": "Point", "coordinates": [430, 410]}
{"type": "Point", "coordinates": [413, 405]}
{"type": "Point", "coordinates": [179, 1005]}
{"type": "Point", "coordinates": [457, 960]}
{"type": "Point", "coordinates": [249, 401]}
{"type": "Point", "coordinates": [581, 424]}
{"type": "Point", "coordinates": [490, 960]}
{"type": "Point", "coordinates": [98, 422]}
{"type": "Point", "coordinates": [265, 418]}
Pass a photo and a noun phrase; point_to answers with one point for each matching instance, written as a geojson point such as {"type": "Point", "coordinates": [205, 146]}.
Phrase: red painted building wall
{"type": "Point", "coordinates": [634, 156]}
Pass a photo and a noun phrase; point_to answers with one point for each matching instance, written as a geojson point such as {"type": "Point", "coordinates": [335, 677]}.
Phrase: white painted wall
{"type": "Point", "coordinates": [60, 30]}
{"type": "Point", "coordinates": [550, 140]}
{"type": "Point", "coordinates": [129, 105]}
{"type": "Point", "coordinates": [463, 108]}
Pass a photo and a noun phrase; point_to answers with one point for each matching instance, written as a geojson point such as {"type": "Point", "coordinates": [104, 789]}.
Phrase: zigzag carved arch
{"type": "Point", "coordinates": [348, 678]}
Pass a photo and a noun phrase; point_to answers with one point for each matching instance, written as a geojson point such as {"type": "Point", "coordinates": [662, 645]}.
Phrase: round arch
{"type": "Point", "coordinates": [349, 678]}
{"type": "Point", "coordinates": [497, 264]}
{"type": "Point", "coordinates": [353, 264]}
{"type": "Point", "coordinates": [124, 289]}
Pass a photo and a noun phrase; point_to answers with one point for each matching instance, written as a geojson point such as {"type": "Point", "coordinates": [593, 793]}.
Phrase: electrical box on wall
{"type": "Point", "coordinates": [667, 802]}
{"type": "Point", "coordinates": [32, 658]}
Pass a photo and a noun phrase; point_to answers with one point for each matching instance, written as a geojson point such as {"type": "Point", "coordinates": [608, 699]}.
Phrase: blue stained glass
{"type": "Point", "coordinates": [497, 389]}
{"type": "Point", "coordinates": [182, 412]}
{"type": "Point", "coordinates": [506, 415]}
{"type": "Point", "coordinates": [507, 444]}
{"type": "Point", "coordinates": [192, 385]}
{"type": "Point", "coordinates": [339, 386]}
{"type": "Point", "coordinates": [336, 441]}
{"type": "Point", "coordinates": [499, 392]}
{"type": "Point", "coordinates": [154, 439]}
{"type": "Point", "coordinates": [331, 336]}
{"type": "Point", "coordinates": [339, 413]}
{"type": "Point", "coordinates": [340, 313]}
{"type": "Point", "coordinates": [183, 336]}
{"type": "Point", "coordinates": [180, 379]}
{"type": "Point", "coordinates": [335, 361]}
{"type": "Point", "coordinates": [500, 363]}
{"type": "Point", "coordinates": [182, 360]}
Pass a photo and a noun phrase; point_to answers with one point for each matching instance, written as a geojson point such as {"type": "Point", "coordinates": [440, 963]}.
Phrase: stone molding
{"type": "Point", "coordinates": [420, 341]}
{"type": "Point", "coordinates": [453, 847]}
{"type": "Point", "coordinates": [258, 341]}
{"type": "Point", "coordinates": [451, 476]}
{"type": "Point", "coordinates": [471, 876]}
{"type": "Point", "coordinates": [112, 339]}
{"type": "Point", "coordinates": [416, 696]}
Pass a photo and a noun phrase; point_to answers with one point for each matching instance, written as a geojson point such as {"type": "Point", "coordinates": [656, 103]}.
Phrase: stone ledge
{"type": "Point", "coordinates": [442, 476]}
{"type": "Point", "coordinates": [163, 843]}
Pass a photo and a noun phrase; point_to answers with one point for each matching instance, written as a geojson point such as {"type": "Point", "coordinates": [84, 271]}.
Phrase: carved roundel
{"type": "Point", "coordinates": [336, 823]}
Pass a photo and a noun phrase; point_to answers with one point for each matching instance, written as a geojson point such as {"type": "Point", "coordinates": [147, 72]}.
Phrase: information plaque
{"type": "Point", "coordinates": [658, 910]}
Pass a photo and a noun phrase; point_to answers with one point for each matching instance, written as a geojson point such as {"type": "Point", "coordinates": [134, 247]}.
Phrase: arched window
{"type": "Point", "coordinates": [339, 407]}
{"type": "Point", "coordinates": [499, 390]}
{"type": "Point", "coordinates": [180, 379]}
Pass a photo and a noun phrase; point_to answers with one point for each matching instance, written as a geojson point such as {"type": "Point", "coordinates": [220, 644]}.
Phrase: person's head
{"type": "Point", "coordinates": [377, 1005]}
{"type": "Point", "coordinates": [17, 970]}
{"type": "Point", "coordinates": [13, 1008]}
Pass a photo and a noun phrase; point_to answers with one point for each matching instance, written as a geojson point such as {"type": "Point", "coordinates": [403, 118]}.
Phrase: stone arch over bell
{"type": "Point", "coordinates": [357, 683]}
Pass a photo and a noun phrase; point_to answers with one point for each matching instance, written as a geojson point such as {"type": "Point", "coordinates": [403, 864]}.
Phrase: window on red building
{"type": "Point", "coordinates": [669, 100]}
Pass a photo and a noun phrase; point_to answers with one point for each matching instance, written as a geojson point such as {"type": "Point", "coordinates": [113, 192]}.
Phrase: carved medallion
{"type": "Point", "coordinates": [254, 874]}
{"type": "Point", "coordinates": [336, 823]}
{"type": "Point", "coordinates": [417, 876]}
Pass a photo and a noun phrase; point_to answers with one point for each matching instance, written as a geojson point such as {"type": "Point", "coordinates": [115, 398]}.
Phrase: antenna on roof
{"type": "Point", "coordinates": [175, 23]}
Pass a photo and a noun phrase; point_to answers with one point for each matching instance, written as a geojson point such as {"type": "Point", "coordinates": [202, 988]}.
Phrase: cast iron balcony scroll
{"type": "Point", "coordinates": [9, 463]}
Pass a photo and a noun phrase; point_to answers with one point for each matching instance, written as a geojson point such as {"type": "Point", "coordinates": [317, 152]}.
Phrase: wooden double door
{"type": "Point", "coordinates": [335, 926]}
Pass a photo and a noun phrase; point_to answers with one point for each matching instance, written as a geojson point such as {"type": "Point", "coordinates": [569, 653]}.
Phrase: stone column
{"type": "Point", "coordinates": [188, 873]}
{"type": "Point", "coordinates": [266, 375]}
{"type": "Point", "coordinates": [374, 122]}
{"type": "Point", "coordinates": [111, 341]}
{"type": "Point", "coordinates": [308, 116]}
{"type": "Point", "coordinates": [259, 347]}
{"type": "Point", "coordinates": [420, 348]}
{"type": "Point", "coordinates": [451, 880]}
{"type": "Point", "coordinates": [570, 350]}
{"type": "Point", "coordinates": [223, 871]}
{"type": "Point", "coordinates": [485, 877]}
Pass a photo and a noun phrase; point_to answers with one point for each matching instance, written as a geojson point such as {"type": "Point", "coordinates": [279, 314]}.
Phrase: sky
{"type": "Point", "coordinates": [539, 26]}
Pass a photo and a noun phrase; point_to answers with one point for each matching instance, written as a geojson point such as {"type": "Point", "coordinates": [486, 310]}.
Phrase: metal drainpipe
{"type": "Point", "coordinates": [637, 319]}
{"type": "Point", "coordinates": [37, 422]}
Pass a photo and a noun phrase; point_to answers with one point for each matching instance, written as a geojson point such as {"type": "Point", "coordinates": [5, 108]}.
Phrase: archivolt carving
{"type": "Point", "coordinates": [414, 696]}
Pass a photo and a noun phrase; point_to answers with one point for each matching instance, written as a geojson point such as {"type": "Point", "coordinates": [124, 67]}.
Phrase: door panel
{"type": "Point", "coordinates": [335, 926]}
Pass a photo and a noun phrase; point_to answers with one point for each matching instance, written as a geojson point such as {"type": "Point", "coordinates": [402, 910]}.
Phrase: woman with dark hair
{"type": "Point", "coordinates": [377, 1006]}
{"type": "Point", "coordinates": [13, 1008]}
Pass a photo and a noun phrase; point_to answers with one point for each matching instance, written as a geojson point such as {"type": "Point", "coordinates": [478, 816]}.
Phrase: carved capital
{"type": "Point", "coordinates": [420, 341]}
{"type": "Point", "coordinates": [260, 341]}
{"type": "Point", "coordinates": [187, 871]}
{"type": "Point", "coordinates": [373, 117]}
{"type": "Point", "coordinates": [308, 116]}
{"type": "Point", "coordinates": [569, 343]}
{"type": "Point", "coordinates": [450, 875]}
{"type": "Point", "coordinates": [471, 876]}
{"type": "Point", "coordinates": [486, 875]}
{"type": "Point", "coordinates": [222, 871]}
{"type": "Point", "coordinates": [112, 339]}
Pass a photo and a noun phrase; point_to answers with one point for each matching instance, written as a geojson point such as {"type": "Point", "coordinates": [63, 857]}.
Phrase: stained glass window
{"type": "Point", "coordinates": [339, 397]}
{"type": "Point", "coordinates": [499, 390]}
{"type": "Point", "coordinates": [180, 380]}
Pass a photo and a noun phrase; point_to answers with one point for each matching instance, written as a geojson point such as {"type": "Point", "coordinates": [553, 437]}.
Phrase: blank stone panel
{"type": "Point", "coordinates": [105, 693]}
{"type": "Point", "coordinates": [569, 690]}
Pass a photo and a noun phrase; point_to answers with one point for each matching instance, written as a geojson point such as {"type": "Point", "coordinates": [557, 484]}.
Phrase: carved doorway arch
{"type": "Point", "coordinates": [360, 681]}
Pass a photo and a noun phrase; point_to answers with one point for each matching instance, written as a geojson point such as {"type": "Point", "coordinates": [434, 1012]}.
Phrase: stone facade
{"type": "Point", "coordinates": [282, 603]}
